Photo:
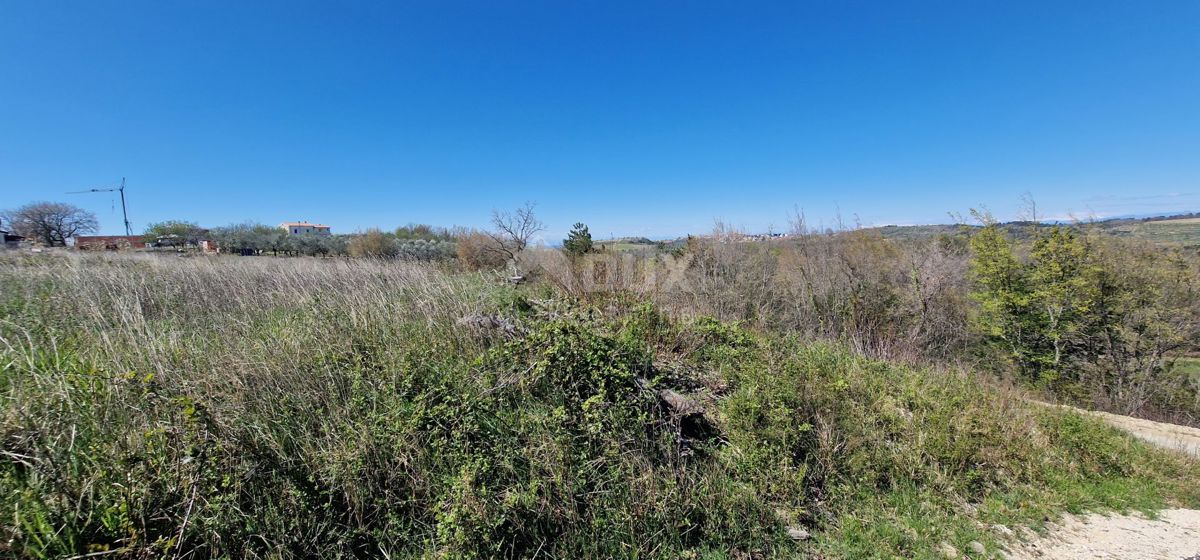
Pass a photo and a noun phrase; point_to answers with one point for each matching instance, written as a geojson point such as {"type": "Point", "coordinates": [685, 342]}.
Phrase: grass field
{"type": "Point", "coordinates": [1189, 367]}
{"type": "Point", "coordinates": [638, 247]}
{"type": "Point", "coordinates": [279, 408]}
{"type": "Point", "coordinates": [619, 246]}
{"type": "Point", "coordinates": [1184, 232]}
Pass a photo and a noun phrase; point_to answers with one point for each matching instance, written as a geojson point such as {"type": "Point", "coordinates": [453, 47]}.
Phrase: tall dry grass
{"type": "Point", "coordinates": [178, 371]}
{"type": "Point", "coordinates": [256, 407]}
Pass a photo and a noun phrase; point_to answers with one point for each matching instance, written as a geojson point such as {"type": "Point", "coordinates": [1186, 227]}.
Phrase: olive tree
{"type": "Point", "coordinates": [174, 233]}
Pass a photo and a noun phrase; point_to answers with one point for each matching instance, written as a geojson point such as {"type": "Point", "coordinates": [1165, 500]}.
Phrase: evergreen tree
{"type": "Point", "coordinates": [578, 241]}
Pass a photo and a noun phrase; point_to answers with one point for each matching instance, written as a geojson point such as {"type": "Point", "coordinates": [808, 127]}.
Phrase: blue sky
{"type": "Point", "coordinates": [638, 118]}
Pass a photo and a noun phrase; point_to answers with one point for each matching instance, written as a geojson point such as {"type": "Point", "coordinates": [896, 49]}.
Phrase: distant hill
{"type": "Point", "coordinates": [1182, 229]}
{"type": "Point", "coordinates": [629, 240]}
{"type": "Point", "coordinates": [1154, 216]}
{"type": "Point", "coordinates": [1173, 229]}
{"type": "Point", "coordinates": [638, 245]}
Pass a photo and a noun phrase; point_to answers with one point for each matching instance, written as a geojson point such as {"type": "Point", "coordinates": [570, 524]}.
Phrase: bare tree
{"type": "Point", "coordinates": [1029, 209]}
{"type": "Point", "coordinates": [52, 223]}
{"type": "Point", "coordinates": [513, 230]}
{"type": "Point", "coordinates": [798, 222]}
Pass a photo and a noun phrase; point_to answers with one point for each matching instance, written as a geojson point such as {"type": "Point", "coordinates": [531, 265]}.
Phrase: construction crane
{"type": "Point", "coordinates": [120, 189]}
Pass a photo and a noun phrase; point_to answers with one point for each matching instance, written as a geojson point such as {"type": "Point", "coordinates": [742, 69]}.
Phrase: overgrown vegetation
{"type": "Point", "coordinates": [1075, 315]}
{"type": "Point", "coordinates": [1091, 319]}
{"type": "Point", "coordinates": [233, 407]}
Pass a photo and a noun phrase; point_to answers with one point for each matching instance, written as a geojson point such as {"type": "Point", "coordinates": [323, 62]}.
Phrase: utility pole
{"type": "Point", "coordinates": [124, 211]}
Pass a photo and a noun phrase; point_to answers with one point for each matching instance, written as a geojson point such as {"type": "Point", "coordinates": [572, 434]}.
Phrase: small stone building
{"type": "Point", "coordinates": [109, 242]}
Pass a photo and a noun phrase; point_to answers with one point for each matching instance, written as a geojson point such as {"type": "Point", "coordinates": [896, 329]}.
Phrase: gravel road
{"type": "Point", "coordinates": [1174, 535]}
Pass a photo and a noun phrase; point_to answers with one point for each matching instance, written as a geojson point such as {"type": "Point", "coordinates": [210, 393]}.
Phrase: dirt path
{"type": "Point", "coordinates": [1170, 436]}
{"type": "Point", "coordinates": [1174, 535]}
{"type": "Point", "coordinates": [1183, 439]}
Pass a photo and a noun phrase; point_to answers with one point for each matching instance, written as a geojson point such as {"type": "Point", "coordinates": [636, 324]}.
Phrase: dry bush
{"type": "Point", "coordinates": [905, 301]}
{"type": "Point", "coordinates": [729, 277]}
{"type": "Point", "coordinates": [885, 298]}
{"type": "Point", "coordinates": [479, 251]}
{"type": "Point", "coordinates": [595, 274]}
{"type": "Point", "coordinates": [896, 300]}
{"type": "Point", "coordinates": [373, 244]}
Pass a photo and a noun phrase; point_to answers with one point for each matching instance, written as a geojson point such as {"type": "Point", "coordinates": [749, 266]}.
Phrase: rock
{"type": "Point", "coordinates": [481, 322]}
{"type": "Point", "coordinates": [977, 547]}
{"type": "Point", "coordinates": [1002, 529]}
{"type": "Point", "coordinates": [798, 533]}
{"type": "Point", "coordinates": [947, 550]}
{"type": "Point", "coordinates": [1029, 535]}
{"type": "Point", "coordinates": [679, 404]}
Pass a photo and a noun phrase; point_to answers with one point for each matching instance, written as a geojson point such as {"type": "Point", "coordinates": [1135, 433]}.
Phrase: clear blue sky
{"type": "Point", "coordinates": [637, 118]}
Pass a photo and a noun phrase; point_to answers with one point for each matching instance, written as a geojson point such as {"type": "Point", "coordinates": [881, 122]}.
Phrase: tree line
{"type": "Point", "coordinates": [1071, 311]}
{"type": "Point", "coordinates": [1088, 318]}
{"type": "Point", "coordinates": [53, 224]}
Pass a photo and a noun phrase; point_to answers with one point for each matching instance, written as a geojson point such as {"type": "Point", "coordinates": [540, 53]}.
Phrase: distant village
{"type": "Point", "coordinates": [201, 239]}
{"type": "Point", "coordinates": [42, 226]}
{"type": "Point", "coordinates": [209, 241]}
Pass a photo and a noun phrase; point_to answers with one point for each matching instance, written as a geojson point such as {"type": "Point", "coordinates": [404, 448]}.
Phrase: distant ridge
{"type": "Point", "coordinates": [1180, 229]}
